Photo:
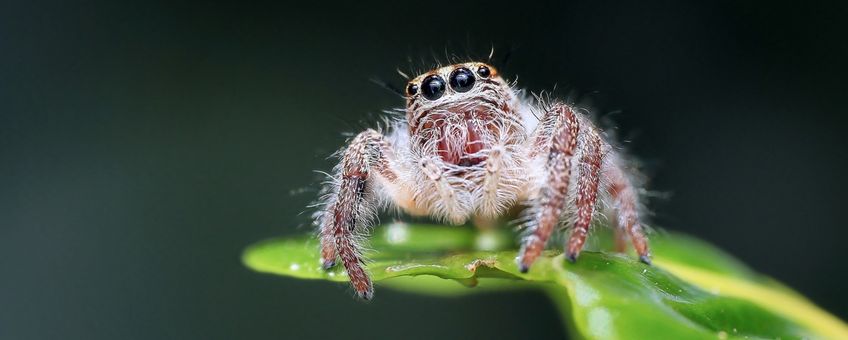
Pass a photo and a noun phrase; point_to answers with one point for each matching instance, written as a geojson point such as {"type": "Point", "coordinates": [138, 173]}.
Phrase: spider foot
{"type": "Point", "coordinates": [571, 257]}
{"type": "Point", "coordinates": [366, 295]}
{"type": "Point", "coordinates": [327, 264]}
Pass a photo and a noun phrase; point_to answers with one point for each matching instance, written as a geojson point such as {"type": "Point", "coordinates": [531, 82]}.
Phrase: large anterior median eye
{"type": "Point", "coordinates": [462, 79]}
{"type": "Point", "coordinates": [433, 87]}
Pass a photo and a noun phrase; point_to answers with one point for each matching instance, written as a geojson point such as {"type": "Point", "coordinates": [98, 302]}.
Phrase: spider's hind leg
{"type": "Point", "coordinates": [625, 201]}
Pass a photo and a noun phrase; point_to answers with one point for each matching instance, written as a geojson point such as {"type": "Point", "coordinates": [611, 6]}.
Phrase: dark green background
{"type": "Point", "coordinates": [144, 145]}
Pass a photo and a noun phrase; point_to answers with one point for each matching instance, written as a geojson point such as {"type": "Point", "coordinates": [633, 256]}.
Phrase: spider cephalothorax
{"type": "Point", "coordinates": [470, 147]}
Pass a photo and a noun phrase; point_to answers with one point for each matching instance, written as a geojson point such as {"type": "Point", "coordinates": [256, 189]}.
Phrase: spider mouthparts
{"type": "Point", "coordinates": [645, 259]}
{"type": "Point", "coordinates": [462, 147]}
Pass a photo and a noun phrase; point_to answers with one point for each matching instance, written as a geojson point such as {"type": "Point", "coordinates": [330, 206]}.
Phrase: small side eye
{"type": "Point", "coordinates": [411, 90]}
{"type": "Point", "coordinates": [462, 79]}
{"type": "Point", "coordinates": [433, 87]}
{"type": "Point", "coordinates": [484, 71]}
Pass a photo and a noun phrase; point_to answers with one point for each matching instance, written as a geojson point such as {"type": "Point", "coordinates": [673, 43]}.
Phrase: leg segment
{"type": "Point", "coordinates": [620, 240]}
{"type": "Point", "coordinates": [345, 217]}
{"type": "Point", "coordinates": [446, 202]}
{"type": "Point", "coordinates": [587, 193]}
{"type": "Point", "coordinates": [626, 202]}
{"type": "Point", "coordinates": [552, 195]}
{"type": "Point", "coordinates": [490, 200]}
{"type": "Point", "coordinates": [366, 162]}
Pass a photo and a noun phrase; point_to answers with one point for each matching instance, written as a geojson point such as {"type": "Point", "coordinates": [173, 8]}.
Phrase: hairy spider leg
{"type": "Point", "coordinates": [626, 204]}
{"type": "Point", "coordinates": [550, 204]}
{"type": "Point", "coordinates": [367, 162]}
{"type": "Point", "coordinates": [587, 192]}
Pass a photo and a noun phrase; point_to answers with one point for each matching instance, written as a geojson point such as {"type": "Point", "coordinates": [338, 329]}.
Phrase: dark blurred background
{"type": "Point", "coordinates": [144, 145]}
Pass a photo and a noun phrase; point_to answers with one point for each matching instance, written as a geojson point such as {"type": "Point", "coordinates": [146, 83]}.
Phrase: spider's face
{"type": "Point", "coordinates": [452, 109]}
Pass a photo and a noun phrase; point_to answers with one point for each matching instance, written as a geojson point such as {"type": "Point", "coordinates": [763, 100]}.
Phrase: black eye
{"type": "Point", "coordinates": [462, 79]}
{"type": "Point", "coordinates": [484, 71]}
{"type": "Point", "coordinates": [412, 89]}
{"type": "Point", "coordinates": [433, 87]}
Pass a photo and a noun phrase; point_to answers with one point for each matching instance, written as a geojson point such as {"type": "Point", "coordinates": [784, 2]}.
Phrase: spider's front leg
{"type": "Point", "coordinates": [366, 163]}
{"type": "Point", "coordinates": [587, 191]}
{"type": "Point", "coordinates": [559, 137]}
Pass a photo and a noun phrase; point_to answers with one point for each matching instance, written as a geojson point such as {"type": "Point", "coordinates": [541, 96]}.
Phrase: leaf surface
{"type": "Point", "coordinates": [692, 291]}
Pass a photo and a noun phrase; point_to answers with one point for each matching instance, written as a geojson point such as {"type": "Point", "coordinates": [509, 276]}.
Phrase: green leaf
{"type": "Point", "coordinates": [692, 291]}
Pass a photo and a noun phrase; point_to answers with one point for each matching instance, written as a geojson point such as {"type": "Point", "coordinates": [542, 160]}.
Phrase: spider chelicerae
{"type": "Point", "coordinates": [472, 147]}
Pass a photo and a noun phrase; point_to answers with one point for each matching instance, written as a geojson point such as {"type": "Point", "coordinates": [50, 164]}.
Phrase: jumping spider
{"type": "Point", "coordinates": [471, 147]}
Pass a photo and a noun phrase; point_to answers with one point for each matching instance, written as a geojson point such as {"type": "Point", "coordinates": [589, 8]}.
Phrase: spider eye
{"type": "Point", "coordinates": [412, 89]}
{"type": "Point", "coordinates": [462, 79]}
{"type": "Point", "coordinates": [484, 71]}
{"type": "Point", "coordinates": [433, 87]}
